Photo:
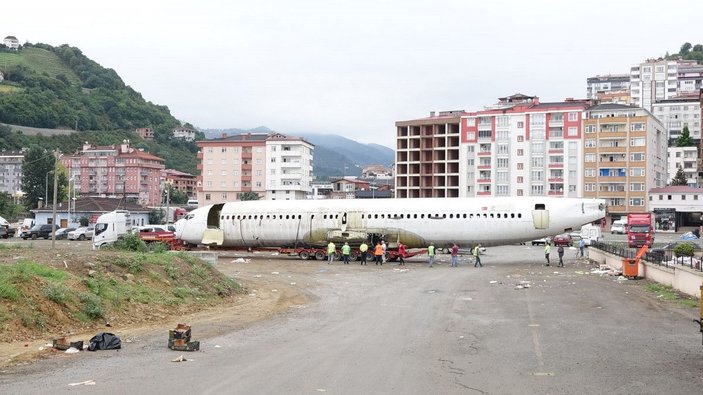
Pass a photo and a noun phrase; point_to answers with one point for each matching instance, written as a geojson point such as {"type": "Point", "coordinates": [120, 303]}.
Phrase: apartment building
{"type": "Point", "coordinates": [427, 156]}
{"type": "Point", "coordinates": [183, 133]}
{"type": "Point", "coordinates": [11, 172]}
{"type": "Point", "coordinates": [615, 87]}
{"type": "Point", "coordinates": [274, 166]}
{"type": "Point", "coordinates": [624, 156]}
{"type": "Point", "coordinates": [678, 112]}
{"type": "Point", "coordinates": [659, 79]}
{"type": "Point", "coordinates": [289, 167]}
{"type": "Point", "coordinates": [116, 171]}
{"type": "Point", "coordinates": [180, 181]}
{"type": "Point", "coordinates": [523, 147]}
{"type": "Point", "coordinates": [685, 158]}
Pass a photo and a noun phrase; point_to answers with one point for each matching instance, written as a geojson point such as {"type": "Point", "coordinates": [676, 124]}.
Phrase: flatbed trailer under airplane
{"type": "Point", "coordinates": [320, 253]}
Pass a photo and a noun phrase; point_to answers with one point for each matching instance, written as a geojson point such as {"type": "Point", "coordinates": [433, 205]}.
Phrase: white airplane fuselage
{"type": "Point", "coordinates": [414, 222]}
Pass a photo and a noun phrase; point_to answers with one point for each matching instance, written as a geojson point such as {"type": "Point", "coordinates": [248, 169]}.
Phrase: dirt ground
{"type": "Point", "coordinates": [264, 296]}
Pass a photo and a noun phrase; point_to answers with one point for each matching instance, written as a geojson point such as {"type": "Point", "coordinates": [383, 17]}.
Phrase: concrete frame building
{"type": "Point", "coordinates": [427, 156]}
{"type": "Point", "coordinates": [274, 166]}
{"type": "Point", "coordinates": [624, 156]}
{"type": "Point", "coordinates": [116, 171]}
{"type": "Point", "coordinates": [11, 172]}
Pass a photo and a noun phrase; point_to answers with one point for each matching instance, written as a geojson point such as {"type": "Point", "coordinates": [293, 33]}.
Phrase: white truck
{"type": "Point", "coordinates": [110, 227]}
{"type": "Point", "coordinates": [591, 234]}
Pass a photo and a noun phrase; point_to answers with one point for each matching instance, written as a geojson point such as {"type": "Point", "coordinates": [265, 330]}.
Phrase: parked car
{"type": "Point", "coordinates": [43, 231]}
{"type": "Point", "coordinates": [62, 233]}
{"type": "Point", "coordinates": [82, 233]}
{"type": "Point", "coordinates": [542, 241]}
{"type": "Point", "coordinates": [5, 232]}
{"type": "Point", "coordinates": [563, 239]}
{"type": "Point", "coordinates": [660, 253]}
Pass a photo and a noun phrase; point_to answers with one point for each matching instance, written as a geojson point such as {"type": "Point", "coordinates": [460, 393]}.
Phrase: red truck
{"type": "Point", "coordinates": [640, 230]}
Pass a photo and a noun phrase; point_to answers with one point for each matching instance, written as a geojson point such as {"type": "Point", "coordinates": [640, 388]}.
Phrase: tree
{"type": "Point", "coordinates": [698, 48]}
{"type": "Point", "coordinates": [249, 196]}
{"type": "Point", "coordinates": [685, 48]}
{"type": "Point", "coordinates": [156, 216]}
{"type": "Point", "coordinates": [685, 139]}
{"type": "Point", "coordinates": [679, 178]}
{"type": "Point", "coordinates": [175, 196]}
{"type": "Point", "coordinates": [36, 166]}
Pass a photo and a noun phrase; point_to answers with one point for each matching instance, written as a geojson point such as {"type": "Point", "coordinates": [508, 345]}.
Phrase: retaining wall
{"type": "Point", "coordinates": [680, 278]}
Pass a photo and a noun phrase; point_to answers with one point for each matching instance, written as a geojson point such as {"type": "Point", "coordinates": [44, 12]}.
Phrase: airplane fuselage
{"type": "Point", "coordinates": [415, 222]}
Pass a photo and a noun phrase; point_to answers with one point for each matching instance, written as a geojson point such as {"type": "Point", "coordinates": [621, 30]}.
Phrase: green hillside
{"type": "Point", "coordinates": [40, 61]}
{"type": "Point", "coordinates": [61, 88]}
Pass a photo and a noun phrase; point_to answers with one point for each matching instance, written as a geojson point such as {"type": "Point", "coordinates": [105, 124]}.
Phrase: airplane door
{"type": "Point", "coordinates": [351, 220]}
{"type": "Point", "coordinates": [540, 217]}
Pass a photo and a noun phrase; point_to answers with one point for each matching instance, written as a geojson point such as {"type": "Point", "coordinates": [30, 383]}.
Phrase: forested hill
{"type": "Point", "coordinates": [59, 87]}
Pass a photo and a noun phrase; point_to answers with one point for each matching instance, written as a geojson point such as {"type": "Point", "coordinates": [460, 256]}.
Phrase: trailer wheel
{"type": "Point", "coordinates": [305, 255]}
{"type": "Point", "coordinates": [320, 256]}
{"type": "Point", "coordinates": [337, 256]}
{"type": "Point", "coordinates": [353, 256]}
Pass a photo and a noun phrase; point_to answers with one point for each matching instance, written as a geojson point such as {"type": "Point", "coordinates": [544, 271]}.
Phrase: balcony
{"type": "Point", "coordinates": [556, 151]}
{"type": "Point", "coordinates": [246, 155]}
{"type": "Point", "coordinates": [555, 193]}
{"type": "Point", "coordinates": [483, 180]}
{"type": "Point", "coordinates": [556, 165]}
{"type": "Point", "coordinates": [483, 193]}
{"type": "Point", "coordinates": [484, 167]}
{"type": "Point", "coordinates": [556, 179]}
{"type": "Point", "coordinates": [483, 153]}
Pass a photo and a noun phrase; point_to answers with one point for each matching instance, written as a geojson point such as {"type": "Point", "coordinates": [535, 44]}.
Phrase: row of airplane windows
{"type": "Point", "coordinates": [377, 216]}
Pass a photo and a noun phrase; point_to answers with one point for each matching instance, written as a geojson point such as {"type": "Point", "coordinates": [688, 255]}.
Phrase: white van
{"type": "Point", "coordinates": [619, 226]}
{"type": "Point", "coordinates": [192, 203]}
{"type": "Point", "coordinates": [591, 234]}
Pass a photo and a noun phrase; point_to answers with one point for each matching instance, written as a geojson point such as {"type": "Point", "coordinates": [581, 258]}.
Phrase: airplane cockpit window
{"type": "Point", "coordinates": [190, 216]}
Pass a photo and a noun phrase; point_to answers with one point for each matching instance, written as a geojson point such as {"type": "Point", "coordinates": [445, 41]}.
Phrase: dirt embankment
{"type": "Point", "coordinates": [48, 294]}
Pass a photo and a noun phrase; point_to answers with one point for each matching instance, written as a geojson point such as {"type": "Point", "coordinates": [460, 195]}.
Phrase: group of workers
{"type": "Point", "coordinates": [379, 253]}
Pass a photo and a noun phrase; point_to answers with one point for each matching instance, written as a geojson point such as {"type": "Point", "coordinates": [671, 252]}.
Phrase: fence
{"type": "Point", "coordinates": [657, 256]}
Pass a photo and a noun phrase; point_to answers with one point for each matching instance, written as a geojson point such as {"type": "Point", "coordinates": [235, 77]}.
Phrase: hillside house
{"type": "Point", "coordinates": [184, 133]}
{"type": "Point", "coordinates": [145, 133]}
{"type": "Point", "coordinates": [11, 42]}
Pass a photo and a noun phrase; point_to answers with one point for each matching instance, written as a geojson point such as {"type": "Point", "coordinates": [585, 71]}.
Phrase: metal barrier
{"type": "Point", "coordinates": [665, 259]}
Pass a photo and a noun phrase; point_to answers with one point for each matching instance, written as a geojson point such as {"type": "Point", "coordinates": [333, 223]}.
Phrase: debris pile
{"type": "Point", "coordinates": [179, 339]}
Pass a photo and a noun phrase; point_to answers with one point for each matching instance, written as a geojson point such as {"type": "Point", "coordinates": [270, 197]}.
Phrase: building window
{"type": "Point", "coordinates": [471, 136]}
{"type": "Point", "coordinates": [520, 152]}
{"type": "Point", "coordinates": [520, 124]}
{"type": "Point", "coordinates": [637, 142]}
{"type": "Point", "coordinates": [224, 149]}
{"type": "Point", "coordinates": [590, 172]}
{"type": "Point", "coordinates": [573, 116]}
{"type": "Point", "coordinates": [636, 186]}
{"type": "Point", "coordinates": [573, 131]}
{"type": "Point", "coordinates": [520, 166]}
{"type": "Point", "coordinates": [520, 139]}
{"type": "Point", "coordinates": [519, 180]}
{"type": "Point", "coordinates": [637, 172]}
{"type": "Point", "coordinates": [207, 196]}
{"type": "Point", "coordinates": [224, 195]}
{"type": "Point", "coordinates": [636, 202]}
{"type": "Point", "coordinates": [637, 157]}
{"type": "Point", "coordinates": [590, 143]}
{"type": "Point", "coordinates": [471, 122]}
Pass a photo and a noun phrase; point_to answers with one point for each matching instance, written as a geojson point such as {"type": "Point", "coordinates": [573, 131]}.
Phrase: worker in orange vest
{"type": "Point", "coordinates": [378, 253]}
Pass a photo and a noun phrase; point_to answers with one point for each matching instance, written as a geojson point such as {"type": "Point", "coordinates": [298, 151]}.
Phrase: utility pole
{"type": "Point", "coordinates": [168, 198]}
{"type": "Point", "coordinates": [53, 207]}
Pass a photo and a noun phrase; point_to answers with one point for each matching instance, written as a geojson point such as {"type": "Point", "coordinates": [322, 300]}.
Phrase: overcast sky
{"type": "Point", "coordinates": [353, 67]}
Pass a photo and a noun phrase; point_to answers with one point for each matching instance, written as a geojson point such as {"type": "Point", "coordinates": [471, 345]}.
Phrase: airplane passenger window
{"type": "Point", "coordinates": [325, 216]}
{"type": "Point", "coordinates": [485, 215]}
{"type": "Point", "coordinates": [286, 217]}
{"type": "Point", "coordinates": [415, 216]}
{"type": "Point", "coordinates": [451, 215]}
{"type": "Point", "coordinates": [519, 215]}
{"type": "Point", "coordinates": [512, 215]}
{"type": "Point", "coordinates": [422, 215]}
{"type": "Point", "coordinates": [312, 216]}
{"type": "Point", "coordinates": [383, 215]}
{"type": "Point", "coordinates": [444, 215]}
{"type": "Point", "coordinates": [375, 216]}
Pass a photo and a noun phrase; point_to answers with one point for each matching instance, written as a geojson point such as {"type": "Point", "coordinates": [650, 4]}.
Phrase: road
{"type": "Point", "coordinates": [373, 330]}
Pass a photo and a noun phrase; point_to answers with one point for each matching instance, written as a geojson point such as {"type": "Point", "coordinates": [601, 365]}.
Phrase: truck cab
{"type": "Point", "coordinates": [640, 230]}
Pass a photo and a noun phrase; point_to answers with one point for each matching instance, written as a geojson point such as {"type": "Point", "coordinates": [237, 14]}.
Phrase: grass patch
{"type": "Point", "coordinates": [57, 293]}
{"type": "Point", "coordinates": [667, 293]}
{"type": "Point", "coordinates": [11, 276]}
{"type": "Point", "coordinates": [92, 305]}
